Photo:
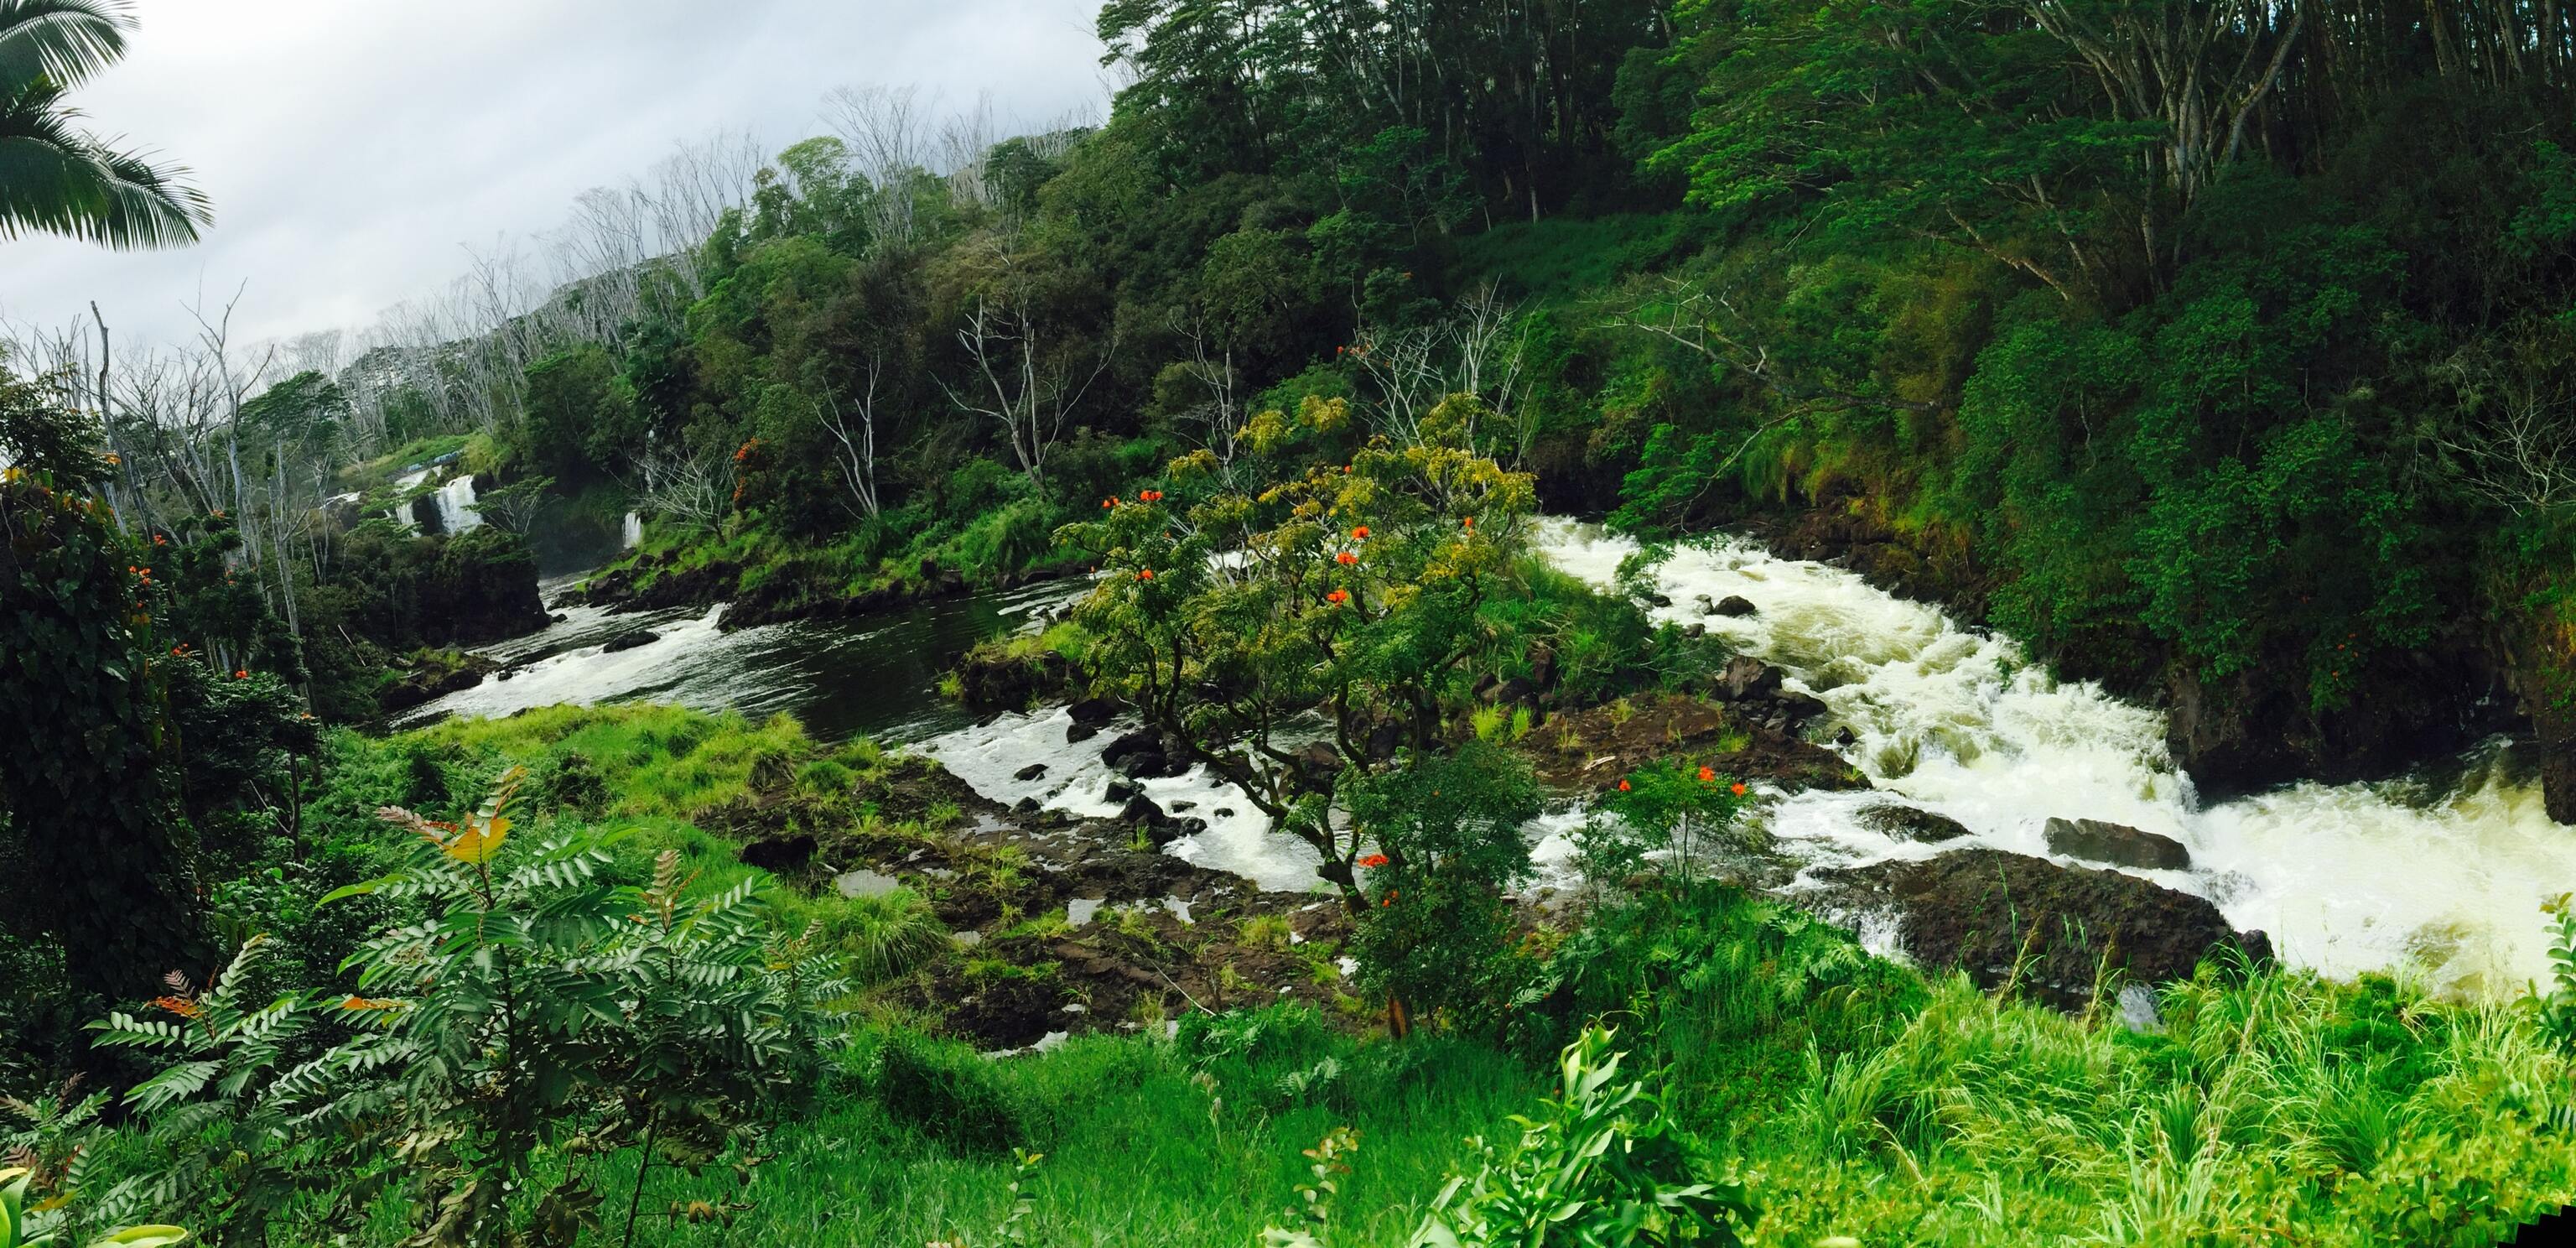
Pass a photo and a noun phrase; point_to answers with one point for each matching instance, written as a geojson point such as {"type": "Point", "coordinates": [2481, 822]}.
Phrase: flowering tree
{"type": "Point", "coordinates": [1668, 813]}
{"type": "Point", "coordinates": [1291, 632]}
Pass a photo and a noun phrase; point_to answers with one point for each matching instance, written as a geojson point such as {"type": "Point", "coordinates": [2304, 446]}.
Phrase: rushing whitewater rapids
{"type": "Point", "coordinates": [2446, 879]}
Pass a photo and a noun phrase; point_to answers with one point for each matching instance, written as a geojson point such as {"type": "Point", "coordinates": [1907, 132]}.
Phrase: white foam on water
{"type": "Point", "coordinates": [989, 756]}
{"type": "Point", "coordinates": [2344, 878]}
{"type": "Point", "coordinates": [586, 675]}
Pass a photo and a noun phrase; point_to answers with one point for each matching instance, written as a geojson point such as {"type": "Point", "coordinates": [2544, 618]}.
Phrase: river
{"type": "Point", "coordinates": [2440, 874]}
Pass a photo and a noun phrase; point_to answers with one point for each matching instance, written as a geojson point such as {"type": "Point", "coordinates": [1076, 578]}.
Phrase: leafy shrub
{"type": "Point", "coordinates": [1437, 933]}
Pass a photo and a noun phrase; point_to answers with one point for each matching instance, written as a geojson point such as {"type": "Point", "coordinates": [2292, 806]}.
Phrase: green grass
{"type": "Point", "coordinates": [1136, 1152]}
{"type": "Point", "coordinates": [1856, 1097]}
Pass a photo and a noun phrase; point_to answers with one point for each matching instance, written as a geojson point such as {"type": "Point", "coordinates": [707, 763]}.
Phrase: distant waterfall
{"type": "Point", "coordinates": [456, 511]}
{"type": "Point", "coordinates": [634, 530]}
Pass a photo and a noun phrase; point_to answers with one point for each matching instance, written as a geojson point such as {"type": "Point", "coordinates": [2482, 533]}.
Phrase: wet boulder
{"type": "Point", "coordinates": [1912, 823]}
{"type": "Point", "coordinates": [1034, 771]}
{"type": "Point", "coordinates": [1076, 734]}
{"type": "Point", "coordinates": [1093, 712]}
{"type": "Point", "coordinates": [1747, 678]}
{"type": "Point", "coordinates": [1142, 740]}
{"type": "Point", "coordinates": [1980, 910]}
{"type": "Point", "coordinates": [1733, 606]}
{"type": "Point", "coordinates": [629, 640]}
{"type": "Point", "coordinates": [2118, 844]}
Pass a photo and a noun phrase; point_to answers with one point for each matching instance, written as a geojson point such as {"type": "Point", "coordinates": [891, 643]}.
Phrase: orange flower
{"type": "Point", "coordinates": [1338, 597]}
{"type": "Point", "coordinates": [1145, 574]}
{"type": "Point", "coordinates": [180, 1006]}
{"type": "Point", "coordinates": [1373, 860]}
{"type": "Point", "coordinates": [1706, 775]}
{"type": "Point", "coordinates": [1623, 786]}
{"type": "Point", "coordinates": [1346, 470]}
{"type": "Point", "coordinates": [1738, 789]}
{"type": "Point", "coordinates": [1468, 521]}
{"type": "Point", "coordinates": [1360, 532]}
{"type": "Point", "coordinates": [1346, 558]}
{"type": "Point", "coordinates": [241, 675]}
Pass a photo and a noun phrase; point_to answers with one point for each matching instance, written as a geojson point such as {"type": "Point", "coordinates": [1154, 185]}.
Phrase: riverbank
{"type": "Point", "coordinates": [1854, 1095]}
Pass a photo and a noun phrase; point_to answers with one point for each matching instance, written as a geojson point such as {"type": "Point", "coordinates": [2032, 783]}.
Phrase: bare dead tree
{"type": "Point", "coordinates": [691, 488]}
{"type": "Point", "coordinates": [1211, 366]}
{"type": "Point", "coordinates": [1478, 350]}
{"type": "Point", "coordinates": [2516, 448]}
{"type": "Point", "coordinates": [966, 140]}
{"type": "Point", "coordinates": [889, 136]}
{"type": "Point", "coordinates": [854, 427]}
{"type": "Point", "coordinates": [1024, 388]}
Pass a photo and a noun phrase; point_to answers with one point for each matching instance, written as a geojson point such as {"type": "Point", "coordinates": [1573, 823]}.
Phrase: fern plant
{"type": "Point", "coordinates": [538, 1004]}
{"type": "Point", "coordinates": [237, 1155]}
{"type": "Point", "coordinates": [529, 1003]}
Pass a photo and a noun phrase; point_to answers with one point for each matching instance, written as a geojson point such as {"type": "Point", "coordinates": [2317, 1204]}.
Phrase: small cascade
{"type": "Point", "coordinates": [402, 513]}
{"type": "Point", "coordinates": [456, 511]}
{"type": "Point", "coordinates": [633, 532]}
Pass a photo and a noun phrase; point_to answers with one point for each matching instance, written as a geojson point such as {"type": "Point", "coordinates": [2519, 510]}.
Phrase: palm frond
{"type": "Point", "coordinates": [63, 41]}
{"type": "Point", "coordinates": [55, 179]}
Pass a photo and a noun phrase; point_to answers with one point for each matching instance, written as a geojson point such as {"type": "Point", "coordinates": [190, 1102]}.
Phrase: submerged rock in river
{"type": "Point", "coordinates": [1913, 823]}
{"type": "Point", "coordinates": [1979, 910]}
{"type": "Point", "coordinates": [2116, 843]}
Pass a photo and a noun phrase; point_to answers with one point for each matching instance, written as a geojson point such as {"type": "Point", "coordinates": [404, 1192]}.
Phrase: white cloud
{"type": "Point", "coordinates": [354, 147]}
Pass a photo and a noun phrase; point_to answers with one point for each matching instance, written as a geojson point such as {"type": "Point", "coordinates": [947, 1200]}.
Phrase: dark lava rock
{"type": "Point", "coordinates": [430, 683]}
{"type": "Point", "coordinates": [779, 853]}
{"type": "Point", "coordinates": [1747, 678]}
{"type": "Point", "coordinates": [1093, 712]}
{"type": "Point", "coordinates": [1121, 789]}
{"type": "Point", "coordinates": [1034, 771]}
{"type": "Point", "coordinates": [1733, 606]}
{"type": "Point", "coordinates": [1223, 812]}
{"type": "Point", "coordinates": [1076, 734]}
{"type": "Point", "coordinates": [2116, 843]}
{"type": "Point", "coordinates": [1027, 806]}
{"type": "Point", "coordinates": [1658, 599]}
{"type": "Point", "coordinates": [1178, 807]}
{"type": "Point", "coordinates": [1130, 743]}
{"type": "Point", "coordinates": [1160, 829]}
{"type": "Point", "coordinates": [628, 641]}
{"type": "Point", "coordinates": [1913, 823]}
{"type": "Point", "coordinates": [1844, 736]}
{"type": "Point", "coordinates": [1977, 909]}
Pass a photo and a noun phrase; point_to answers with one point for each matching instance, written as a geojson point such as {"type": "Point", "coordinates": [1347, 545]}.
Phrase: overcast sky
{"type": "Point", "coordinates": [354, 147]}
